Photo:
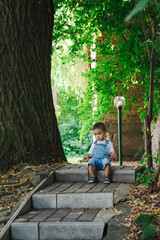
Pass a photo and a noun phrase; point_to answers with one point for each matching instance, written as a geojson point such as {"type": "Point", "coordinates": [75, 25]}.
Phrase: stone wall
{"type": "Point", "coordinates": [132, 134]}
{"type": "Point", "coordinates": [132, 137]}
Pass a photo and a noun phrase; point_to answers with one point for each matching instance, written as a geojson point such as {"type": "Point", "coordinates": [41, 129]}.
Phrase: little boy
{"type": "Point", "coordinates": [100, 153]}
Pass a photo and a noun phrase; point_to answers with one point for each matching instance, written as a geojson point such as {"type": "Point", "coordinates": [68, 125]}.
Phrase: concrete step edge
{"type": "Point", "coordinates": [73, 200]}
{"type": "Point", "coordinates": [57, 231]}
{"type": "Point", "coordinates": [117, 175]}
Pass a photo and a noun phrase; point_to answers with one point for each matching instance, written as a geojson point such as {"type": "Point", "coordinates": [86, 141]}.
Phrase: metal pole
{"type": "Point", "coordinates": [120, 135]}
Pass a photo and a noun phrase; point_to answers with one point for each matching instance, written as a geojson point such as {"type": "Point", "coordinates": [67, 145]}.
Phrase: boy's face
{"type": "Point", "coordinates": [99, 134]}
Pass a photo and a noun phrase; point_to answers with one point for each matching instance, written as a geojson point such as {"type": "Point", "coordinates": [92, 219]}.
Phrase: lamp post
{"type": "Point", "coordinates": [119, 102]}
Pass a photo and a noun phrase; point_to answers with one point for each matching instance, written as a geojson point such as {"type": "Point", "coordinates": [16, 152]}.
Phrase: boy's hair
{"type": "Point", "coordinates": [99, 125]}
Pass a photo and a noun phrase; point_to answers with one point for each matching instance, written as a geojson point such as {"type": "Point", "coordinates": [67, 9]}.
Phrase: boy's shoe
{"type": "Point", "coordinates": [107, 180]}
{"type": "Point", "coordinates": [92, 179]}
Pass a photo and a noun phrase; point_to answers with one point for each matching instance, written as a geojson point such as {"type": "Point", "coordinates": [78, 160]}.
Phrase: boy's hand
{"type": "Point", "coordinates": [86, 157]}
{"type": "Point", "coordinates": [113, 155]}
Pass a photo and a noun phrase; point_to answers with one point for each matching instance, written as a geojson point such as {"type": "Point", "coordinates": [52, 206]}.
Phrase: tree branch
{"type": "Point", "coordinates": [152, 66]}
{"type": "Point", "coordinates": [145, 36]}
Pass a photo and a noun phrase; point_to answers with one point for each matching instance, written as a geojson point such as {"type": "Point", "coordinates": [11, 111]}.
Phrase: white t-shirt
{"type": "Point", "coordinates": [109, 146]}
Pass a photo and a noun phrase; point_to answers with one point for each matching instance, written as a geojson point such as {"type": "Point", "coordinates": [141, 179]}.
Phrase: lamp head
{"type": "Point", "coordinates": [119, 102]}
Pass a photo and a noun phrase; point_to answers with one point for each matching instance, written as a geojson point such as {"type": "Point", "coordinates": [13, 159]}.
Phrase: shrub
{"type": "Point", "coordinates": [70, 139]}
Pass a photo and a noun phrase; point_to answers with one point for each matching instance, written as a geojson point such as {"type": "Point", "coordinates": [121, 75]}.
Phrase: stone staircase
{"type": "Point", "coordinates": [70, 208]}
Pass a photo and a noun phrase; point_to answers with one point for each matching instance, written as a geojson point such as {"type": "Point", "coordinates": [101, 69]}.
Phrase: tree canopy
{"type": "Point", "coordinates": [122, 59]}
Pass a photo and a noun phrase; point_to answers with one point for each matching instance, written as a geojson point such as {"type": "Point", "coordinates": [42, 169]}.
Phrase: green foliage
{"type": "Point", "coordinates": [138, 153]}
{"type": "Point", "coordinates": [122, 57]}
{"type": "Point", "coordinates": [149, 231]}
{"type": "Point", "coordinates": [70, 87]}
{"type": "Point", "coordinates": [70, 139]}
{"type": "Point", "coordinates": [148, 174]}
{"type": "Point", "coordinates": [145, 219]}
{"type": "Point", "coordinates": [122, 62]}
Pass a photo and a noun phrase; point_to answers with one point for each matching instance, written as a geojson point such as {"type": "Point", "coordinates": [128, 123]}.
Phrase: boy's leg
{"type": "Point", "coordinates": [91, 170]}
{"type": "Point", "coordinates": [107, 172]}
{"type": "Point", "coordinates": [92, 174]}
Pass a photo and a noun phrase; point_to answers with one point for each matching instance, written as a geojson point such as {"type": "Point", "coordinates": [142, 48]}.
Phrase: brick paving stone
{"type": "Point", "coordinates": [111, 187]}
{"type": "Point", "coordinates": [69, 220]}
{"type": "Point", "coordinates": [58, 215]}
{"type": "Point", "coordinates": [85, 188]}
{"type": "Point", "coordinates": [97, 188]}
{"type": "Point", "coordinates": [42, 216]}
{"type": "Point", "coordinates": [78, 211]}
{"type": "Point", "coordinates": [62, 212]}
{"type": "Point", "coordinates": [54, 219]}
{"type": "Point", "coordinates": [73, 188]}
{"type": "Point", "coordinates": [49, 188]}
{"type": "Point", "coordinates": [31, 214]}
{"type": "Point", "coordinates": [73, 215]}
{"type": "Point", "coordinates": [21, 219]}
{"type": "Point", "coordinates": [86, 217]}
{"type": "Point", "coordinates": [94, 211]}
{"type": "Point", "coordinates": [61, 188]}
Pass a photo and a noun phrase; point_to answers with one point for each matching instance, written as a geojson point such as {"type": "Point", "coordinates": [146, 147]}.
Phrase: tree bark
{"type": "Point", "coordinates": [149, 117]}
{"type": "Point", "coordinates": [153, 186]}
{"type": "Point", "coordinates": [148, 140]}
{"type": "Point", "coordinates": [28, 125]}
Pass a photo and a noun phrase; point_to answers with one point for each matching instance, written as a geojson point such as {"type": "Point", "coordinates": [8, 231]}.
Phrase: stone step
{"type": "Point", "coordinates": [62, 224]}
{"type": "Point", "coordinates": [79, 195]}
{"type": "Point", "coordinates": [79, 173]}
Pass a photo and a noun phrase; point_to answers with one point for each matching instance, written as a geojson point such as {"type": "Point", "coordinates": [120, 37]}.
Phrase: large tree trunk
{"type": "Point", "coordinates": [28, 125]}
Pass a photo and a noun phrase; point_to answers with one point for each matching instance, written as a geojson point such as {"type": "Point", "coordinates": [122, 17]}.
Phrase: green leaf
{"type": "Point", "coordinates": [147, 155]}
{"type": "Point", "coordinates": [149, 232]}
{"type": "Point", "coordinates": [145, 219]}
{"type": "Point", "coordinates": [138, 7]}
{"type": "Point", "coordinates": [138, 174]}
{"type": "Point", "coordinates": [136, 155]}
{"type": "Point", "coordinates": [142, 161]}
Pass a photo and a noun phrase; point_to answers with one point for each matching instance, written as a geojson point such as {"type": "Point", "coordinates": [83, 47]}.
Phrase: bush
{"type": "Point", "coordinates": [70, 139]}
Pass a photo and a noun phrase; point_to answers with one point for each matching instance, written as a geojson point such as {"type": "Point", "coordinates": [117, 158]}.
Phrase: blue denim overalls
{"type": "Point", "coordinates": [100, 156]}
